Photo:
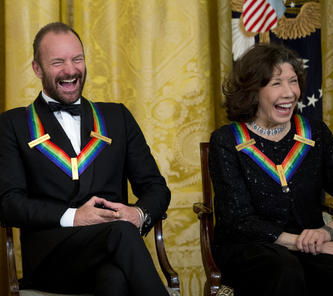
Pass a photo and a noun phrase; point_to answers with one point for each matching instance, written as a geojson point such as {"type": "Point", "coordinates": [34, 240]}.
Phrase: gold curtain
{"type": "Point", "coordinates": [161, 59]}
{"type": "Point", "coordinates": [327, 60]}
{"type": "Point", "coordinates": [165, 61]}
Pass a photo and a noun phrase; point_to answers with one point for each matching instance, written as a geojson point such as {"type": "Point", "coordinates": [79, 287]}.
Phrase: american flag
{"type": "Point", "coordinates": [260, 16]}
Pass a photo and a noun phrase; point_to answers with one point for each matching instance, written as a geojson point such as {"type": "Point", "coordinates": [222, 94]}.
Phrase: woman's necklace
{"type": "Point", "coordinates": [267, 131]}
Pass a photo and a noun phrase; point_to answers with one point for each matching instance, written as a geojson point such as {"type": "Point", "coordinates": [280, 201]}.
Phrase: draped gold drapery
{"type": "Point", "coordinates": [165, 61]}
{"type": "Point", "coordinates": [327, 60]}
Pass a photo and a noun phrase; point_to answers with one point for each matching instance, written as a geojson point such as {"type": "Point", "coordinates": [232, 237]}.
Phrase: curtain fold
{"type": "Point", "coordinates": [2, 56]}
{"type": "Point", "coordinates": [165, 61]}
{"type": "Point", "coordinates": [161, 59]}
{"type": "Point", "coordinates": [224, 56]}
{"type": "Point", "coordinates": [327, 60]}
{"type": "Point", "coordinates": [22, 21]}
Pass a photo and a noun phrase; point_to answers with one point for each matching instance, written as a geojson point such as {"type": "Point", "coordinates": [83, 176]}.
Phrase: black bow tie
{"type": "Point", "coordinates": [73, 109]}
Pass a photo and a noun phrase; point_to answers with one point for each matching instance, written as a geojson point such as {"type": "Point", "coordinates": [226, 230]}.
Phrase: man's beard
{"type": "Point", "coordinates": [52, 91]}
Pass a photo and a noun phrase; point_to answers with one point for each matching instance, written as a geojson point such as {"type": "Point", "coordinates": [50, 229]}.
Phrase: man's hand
{"type": "Point", "coordinates": [89, 214]}
{"type": "Point", "coordinates": [126, 213]}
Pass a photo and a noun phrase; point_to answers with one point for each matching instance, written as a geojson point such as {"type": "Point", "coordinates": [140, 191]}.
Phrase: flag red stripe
{"type": "Point", "coordinates": [260, 17]}
{"type": "Point", "coordinates": [249, 6]}
{"type": "Point", "coordinates": [253, 13]}
{"type": "Point", "coordinates": [266, 20]}
{"type": "Point", "coordinates": [270, 26]}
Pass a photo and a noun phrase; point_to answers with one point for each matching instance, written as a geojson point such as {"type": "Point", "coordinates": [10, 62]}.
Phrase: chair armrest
{"type": "Point", "coordinates": [213, 274]}
{"type": "Point", "coordinates": [11, 265]}
{"type": "Point", "coordinates": [169, 273]}
{"type": "Point", "coordinates": [200, 209]}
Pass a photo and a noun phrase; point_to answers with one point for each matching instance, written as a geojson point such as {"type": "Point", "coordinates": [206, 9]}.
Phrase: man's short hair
{"type": "Point", "coordinates": [56, 27]}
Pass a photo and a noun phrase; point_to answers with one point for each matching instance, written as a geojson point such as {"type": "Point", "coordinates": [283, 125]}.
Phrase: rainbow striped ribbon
{"type": "Point", "coordinates": [56, 154]}
{"type": "Point", "coordinates": [294, 157]}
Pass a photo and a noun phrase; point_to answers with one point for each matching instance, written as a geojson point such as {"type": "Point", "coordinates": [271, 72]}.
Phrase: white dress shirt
{"type": "Point", "coordinates": [72, 127]}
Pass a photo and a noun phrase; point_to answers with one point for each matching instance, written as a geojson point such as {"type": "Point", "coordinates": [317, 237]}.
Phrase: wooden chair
{"type": "Point", "coordinates": [13, 285]}
{"type": "Point", "coordinates": [204, 210]}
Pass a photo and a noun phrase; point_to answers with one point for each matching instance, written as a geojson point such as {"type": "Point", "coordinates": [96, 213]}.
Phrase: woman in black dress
{"type": "Point", "coordinates": [269, 169]}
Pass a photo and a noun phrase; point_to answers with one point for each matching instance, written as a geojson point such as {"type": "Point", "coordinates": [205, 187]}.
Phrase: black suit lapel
{"type": "Point", "coordinates": [86, 180]}
{"type": "Point", "coordinates": [87, 122]}
{"type": "Point", "coordinates": [53, 127]}
{"type": "Point", "coordinates": [59, 137]}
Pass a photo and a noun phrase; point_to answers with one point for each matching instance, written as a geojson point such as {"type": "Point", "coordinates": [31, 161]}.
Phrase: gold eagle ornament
{"type": "Point", "coordinates": [307, 19]}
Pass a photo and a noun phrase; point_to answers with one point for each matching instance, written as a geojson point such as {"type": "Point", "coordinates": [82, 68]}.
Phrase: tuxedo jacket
{"type": "Point", "coordinates": [35, 192]}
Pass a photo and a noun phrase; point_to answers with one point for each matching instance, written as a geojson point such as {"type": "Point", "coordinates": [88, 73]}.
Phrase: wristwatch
{"type": "Point", "coordinates": [145, 220]}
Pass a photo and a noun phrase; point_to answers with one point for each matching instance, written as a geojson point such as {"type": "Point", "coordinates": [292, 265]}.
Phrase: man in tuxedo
{"type": "Point", "coordinates": [64, 166]}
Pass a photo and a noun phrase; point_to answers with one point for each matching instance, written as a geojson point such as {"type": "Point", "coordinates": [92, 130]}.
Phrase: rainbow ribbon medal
{"type": "Point", "coordinates": [279, 173]}
{"type": "Point", "coordinates": [73, 167]}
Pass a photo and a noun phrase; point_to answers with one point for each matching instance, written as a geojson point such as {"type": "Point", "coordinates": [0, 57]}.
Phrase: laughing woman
{"type": "Point", "coordinates": [269, 169]}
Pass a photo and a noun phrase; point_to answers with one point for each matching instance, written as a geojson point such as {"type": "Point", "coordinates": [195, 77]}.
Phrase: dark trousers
{"type": "Point", "coordinates": [273, 270]}
{"type": "Point", "coordinates": [104, 259]}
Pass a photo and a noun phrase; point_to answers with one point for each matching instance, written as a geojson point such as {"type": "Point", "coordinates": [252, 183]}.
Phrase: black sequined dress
{"type": "Point", "coordinates": [249, 205]}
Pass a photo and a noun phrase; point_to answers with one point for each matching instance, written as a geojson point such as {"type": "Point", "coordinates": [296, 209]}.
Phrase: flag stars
{"type": "Point", "coordinates": [305, 61]}
{"type": "Point", "coordinates": [300, 106]}
{"type": "Point", "coordinates": [312, 100]}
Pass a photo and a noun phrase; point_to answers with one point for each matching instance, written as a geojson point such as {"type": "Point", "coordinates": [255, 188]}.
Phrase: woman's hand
{"type": "Point", "coordinates": [288, 240]}
{"type": "Point", "coordinates": [312, 240]}
{"type": "Point", "coordinates": [327, 248]}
